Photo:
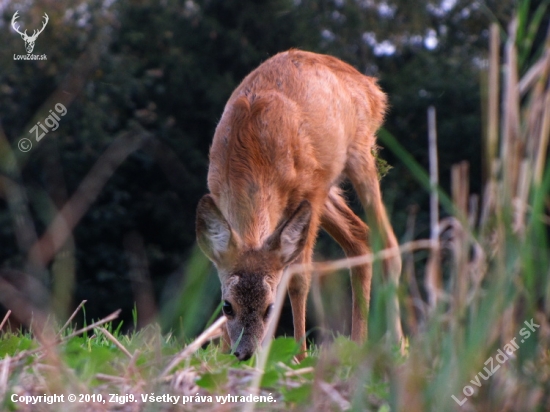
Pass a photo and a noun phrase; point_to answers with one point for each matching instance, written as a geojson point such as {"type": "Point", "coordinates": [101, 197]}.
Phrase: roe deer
{"type": "Point", "coordinates": [289, 134]}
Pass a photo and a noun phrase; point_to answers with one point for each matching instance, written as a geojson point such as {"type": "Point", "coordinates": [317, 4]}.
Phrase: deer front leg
{"type": "Point", "coordinates": [298, 289]}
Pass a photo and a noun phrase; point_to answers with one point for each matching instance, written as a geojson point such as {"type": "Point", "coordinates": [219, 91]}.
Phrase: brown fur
{"type": "Point", "coordinates": [290, 132]}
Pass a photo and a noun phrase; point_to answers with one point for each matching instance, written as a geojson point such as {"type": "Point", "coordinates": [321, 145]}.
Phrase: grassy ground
{"type": "Point", "coordinates": [110, 371]}
{"type": "Point", "coordinates": [478, 339]}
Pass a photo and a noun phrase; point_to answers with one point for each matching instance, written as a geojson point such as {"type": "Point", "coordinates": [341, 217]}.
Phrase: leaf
{"type": "Point", "coordinates": [12, 344]}
{"type": "Point", "coordinates": [299, 394]}
{"type": "Point", "coordinates": [379, 389]}
{"type": "Point", "coordinates": [88, 358]}
{"type": "Point", "coordinates": [212, 381]}
{"type": "Point", "coordinates": [282, 350]}
{"type": "Point", "coordinates": [306, 362]}
{"type": "Point", "coordinates": [269, 379]}
{"type": "Point", "coordinates": [382, 166]}
{"type": "Point", "coordinates": [226, 358]}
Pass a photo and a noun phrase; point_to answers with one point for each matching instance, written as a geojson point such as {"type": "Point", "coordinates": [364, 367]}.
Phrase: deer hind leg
{"type": "Point", "coordinates": [361, 170]}
{"type": "Point", "coordinates": [351, 233]}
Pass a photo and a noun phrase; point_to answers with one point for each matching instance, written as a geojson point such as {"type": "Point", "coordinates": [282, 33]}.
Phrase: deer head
{"type": "Point", "coordinates": [249, 277]}
{"type": "Point", "coordinates": [29, 40]}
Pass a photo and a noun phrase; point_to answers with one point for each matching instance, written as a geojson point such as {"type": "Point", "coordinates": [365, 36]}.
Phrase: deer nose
{"type": "Point", "coordinates": [243, 355]}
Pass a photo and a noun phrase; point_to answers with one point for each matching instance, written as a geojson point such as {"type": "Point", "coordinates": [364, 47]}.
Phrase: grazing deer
{"type": "Point", "coordinates": [290, 133]}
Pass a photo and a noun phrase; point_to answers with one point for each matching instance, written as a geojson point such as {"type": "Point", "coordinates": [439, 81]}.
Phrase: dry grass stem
{"type": "Point", "coordinates": [119, 345]}
{"type": "Point", "coordinates": [335, 396]}
{"type": "Point", "coordinates": [323, 268]}
{"type": "Point", "coordinates": [6, 316]}
{"type": "Point", "coordinates": [212, 331]}
{"type": "Point", "coordinates": [298, 372]}
{"type": "Point", "coordinates": [433, 274]}
{"type": "Point", "coordinates": [107, 319]}
{"type": "Point", "coordinates": [71, 317]}
{"type": "Point", "coordinates": [492, 121]}
{"type": "Point", "coordinates": [50, 345]}
{"type": "Point", "coordinates": [510, 149]}
{"type": "Point", "coordinates": [109, 378]}
{"type": "Point", "coordinates": [544, 137]}
{"type": "Point", "coordinates": [4, 375]}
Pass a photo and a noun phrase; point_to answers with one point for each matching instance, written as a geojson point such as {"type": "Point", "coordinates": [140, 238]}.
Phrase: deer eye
{"type": "Point", "coordinates": [268, 311]}
{"type": "Point", "coordinates": [227, 308]}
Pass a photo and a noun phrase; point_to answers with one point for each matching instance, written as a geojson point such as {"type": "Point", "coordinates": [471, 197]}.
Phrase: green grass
{"type": "Point", "coordinates": [95, 364]}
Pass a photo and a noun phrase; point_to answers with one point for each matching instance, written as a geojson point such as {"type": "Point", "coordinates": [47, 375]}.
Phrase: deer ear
{"type": "Point", "coordinates": [214, 235]}
{"type": "Point", "coordinates": [290, 237]}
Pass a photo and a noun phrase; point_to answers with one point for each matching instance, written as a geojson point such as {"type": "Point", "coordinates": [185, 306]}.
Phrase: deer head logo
{"type": "Point", "coordinates": [29, 40]}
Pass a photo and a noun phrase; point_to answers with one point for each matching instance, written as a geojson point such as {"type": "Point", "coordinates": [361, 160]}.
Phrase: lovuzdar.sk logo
{"type": "Point", "coordinates": [29, 40]}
